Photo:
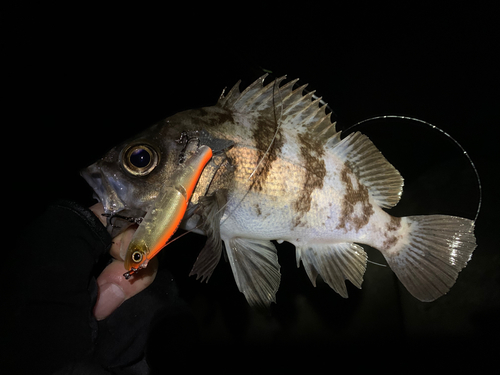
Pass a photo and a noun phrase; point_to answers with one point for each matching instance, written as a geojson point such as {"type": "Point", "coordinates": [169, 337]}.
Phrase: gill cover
{"type": "Point", "coordinates": [168, 209]}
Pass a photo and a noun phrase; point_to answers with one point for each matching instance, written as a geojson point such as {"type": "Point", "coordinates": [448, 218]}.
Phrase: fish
{"type": "Point", "coordinates": [281, 171]}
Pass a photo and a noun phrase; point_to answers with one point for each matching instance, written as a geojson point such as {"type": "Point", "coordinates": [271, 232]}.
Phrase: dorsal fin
{"type": "Point", "coordinates": [383, 181]}
{"type": "Point", "coordinates": [296, 112]}
{"type": "Point", "coordinates": [304, 114]}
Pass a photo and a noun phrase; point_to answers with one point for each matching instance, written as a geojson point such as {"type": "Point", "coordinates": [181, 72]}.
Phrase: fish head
{"type": "Point", "coordinates": [128, 179]}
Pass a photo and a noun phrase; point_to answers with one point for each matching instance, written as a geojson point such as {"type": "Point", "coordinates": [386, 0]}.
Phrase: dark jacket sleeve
{"type": "Point", "coordinates": [51, 325]}
{"type": "Point", "coordinates": [53, 291]}
{"type": "Point", "coordinates": [54, 288]}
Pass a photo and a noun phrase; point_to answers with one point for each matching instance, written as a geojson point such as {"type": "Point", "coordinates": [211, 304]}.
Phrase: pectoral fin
{"type": "Point", "coordinates": [255, 269]}
{"type": "Point", "coordinates": [211, 210]}
{"type": "Point", "coordinates": [335, 263]}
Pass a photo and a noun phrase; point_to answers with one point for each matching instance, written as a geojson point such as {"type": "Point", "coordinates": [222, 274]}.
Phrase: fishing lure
{"type": "Point", "coordinates": [165, 214]}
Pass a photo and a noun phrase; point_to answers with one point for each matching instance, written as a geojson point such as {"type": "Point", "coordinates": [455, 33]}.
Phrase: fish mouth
{"type": "Point", "coordinates": [118, 216]}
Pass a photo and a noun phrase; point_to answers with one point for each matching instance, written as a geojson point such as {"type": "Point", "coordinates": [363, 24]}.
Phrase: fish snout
{"type": "Point", "coordinates": [106, 191]}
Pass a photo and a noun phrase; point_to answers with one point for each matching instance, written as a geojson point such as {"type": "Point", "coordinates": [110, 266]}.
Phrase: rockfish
{"type": "Point", "coordinates": [278, 170]}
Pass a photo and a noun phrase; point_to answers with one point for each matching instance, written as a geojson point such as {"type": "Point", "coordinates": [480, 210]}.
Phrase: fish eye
{"type": "Point", "coordinates": [136, 256]}
{"type": "Point", "coordinates": [140, 159]}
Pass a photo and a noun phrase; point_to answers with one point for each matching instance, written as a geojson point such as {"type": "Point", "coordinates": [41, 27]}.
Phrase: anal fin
{"type": "Point", "coordinates": [335, 263]}
{"type": "Point", "coordinates": [255, 268]}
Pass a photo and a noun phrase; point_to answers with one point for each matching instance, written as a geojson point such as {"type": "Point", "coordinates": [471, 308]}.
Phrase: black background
{"type": "Point", "coordinates": [78, 81]}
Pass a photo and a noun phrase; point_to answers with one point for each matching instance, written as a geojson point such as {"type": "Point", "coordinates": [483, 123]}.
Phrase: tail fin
{"type": "Point", "coordinates": [435, 250]}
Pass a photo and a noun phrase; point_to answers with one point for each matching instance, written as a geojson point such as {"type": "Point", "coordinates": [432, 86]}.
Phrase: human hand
{"type": "Point", "coordinates": [114, 289]}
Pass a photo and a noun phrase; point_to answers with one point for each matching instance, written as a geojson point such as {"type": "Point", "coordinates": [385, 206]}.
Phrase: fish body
{"type": "Point", "coordinates": [282, 172]}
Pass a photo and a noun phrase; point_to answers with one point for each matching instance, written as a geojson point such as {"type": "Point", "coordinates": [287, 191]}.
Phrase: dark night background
{"type": "Point", "coordinates": [78, 85]}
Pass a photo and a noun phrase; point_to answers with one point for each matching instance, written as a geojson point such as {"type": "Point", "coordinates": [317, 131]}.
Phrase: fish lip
{"type": "Point", "coordinates": [104, 188]}
{"type": "Point", "coordinates": [118, 216]}
{"type": "Point", "coordinates": [94, 178]}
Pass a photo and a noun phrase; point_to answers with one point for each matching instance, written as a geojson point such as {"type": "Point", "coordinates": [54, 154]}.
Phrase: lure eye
{"type": "Point", "coordinates": [136, 256]}
{"type": "Point", "coordinates": [140, 159]}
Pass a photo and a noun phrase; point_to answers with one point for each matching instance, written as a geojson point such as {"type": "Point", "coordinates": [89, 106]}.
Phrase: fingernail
{"type": "Point", "coordinates": [110, 297]}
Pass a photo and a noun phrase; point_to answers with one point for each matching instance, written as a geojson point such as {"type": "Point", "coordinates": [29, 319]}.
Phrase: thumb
{"type": "Point", "coordinates": [114, 289]}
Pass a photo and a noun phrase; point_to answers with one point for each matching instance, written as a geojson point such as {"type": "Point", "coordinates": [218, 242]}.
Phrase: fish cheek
{"type": "Point", "coordinates": [142, 190]}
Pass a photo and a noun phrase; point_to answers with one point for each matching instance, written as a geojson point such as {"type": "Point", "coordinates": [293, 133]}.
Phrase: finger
{"type": "Point", "coordinates": [120, 243]}
{"type": "Point", "coordinates": [98, 210]}
{"type": "Point", "coordinates": [114, 289]}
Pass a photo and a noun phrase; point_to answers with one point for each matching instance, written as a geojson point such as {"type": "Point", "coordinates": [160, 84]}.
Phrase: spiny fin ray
{"type": "Point", "coordinates": [383, 181]}
{"type": "Point", "coordinates": [334, 263]}
{"type": "Point", "coordinates": [435, 250]}
{"type": "Point", "coordinates": [211, 208]}
{"type": "Point", "coordinates": [297, 112]}
{"type": "Point", "coordinates": [255, 269]}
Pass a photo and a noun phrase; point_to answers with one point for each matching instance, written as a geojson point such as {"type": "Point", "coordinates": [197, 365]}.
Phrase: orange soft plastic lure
{"type": "Point", "coordinates": [165, 214]}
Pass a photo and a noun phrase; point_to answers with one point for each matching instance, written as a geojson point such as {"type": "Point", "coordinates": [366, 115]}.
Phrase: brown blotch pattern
{"type": "Point", "coordinates": [394, 224]}
{"type": "Point", "coordinates": [348, 218]}
{"type": "Point", "coordinates": [258, 210]}
{"type": "Point", "coordinates": [212, 118]}
{"type": "Point", "coordinates": [262, 135]}
{"type": "Point", "coordinates": [311, 152]}
{"type": "Point", "coordinates": [391, 238]}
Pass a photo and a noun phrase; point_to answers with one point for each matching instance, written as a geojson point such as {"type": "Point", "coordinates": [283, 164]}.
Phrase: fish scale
{"type": "Point", "coordinates": [284, 173]}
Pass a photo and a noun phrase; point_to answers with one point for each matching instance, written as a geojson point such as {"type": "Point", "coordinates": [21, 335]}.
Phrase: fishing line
{"type": "Point", "coordinates": [278, 126]}
{"type": "Point", "coordinates": [398, 117]}
{"type": "Point", "coordinates": [377, 264]}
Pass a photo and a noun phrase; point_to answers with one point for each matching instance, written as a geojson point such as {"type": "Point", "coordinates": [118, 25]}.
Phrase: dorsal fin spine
{"type": "Point", "coordinates": [243, 97]}
{"type": "Point", "coordinates": [298, 113]}
{"type": "Point", "coordinates": [229, 99]}
{"type": "Point", "coordinates": [315, 112]}
{"type": "Point", "coordinates": [294, 96]}
{"type": "Point", "coordinates": [304, 100]}
{"type": "Point", "coordinates": [271, 90]}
